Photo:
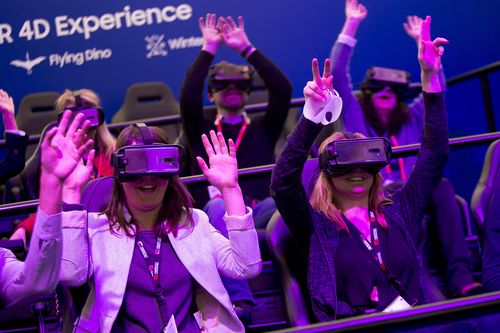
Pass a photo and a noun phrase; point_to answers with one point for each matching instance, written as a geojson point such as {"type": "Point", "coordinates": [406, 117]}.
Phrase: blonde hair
{"type": "Point", "coordinates": [104, 140]}
{"type": "Point", "coordinates": [323, 195]}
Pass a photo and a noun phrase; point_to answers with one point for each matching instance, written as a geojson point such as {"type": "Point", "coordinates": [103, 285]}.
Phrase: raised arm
{"type": "Point", "coordinates": [340, 56]}
{"type": "Point", "coordinates": [433, 154]}
{"type": "Point", "coordinates": [240, 256]}
{"type": "Point", "coordinates": [62, 148]}
{"type": "Point", "coordinates": [286, 184]}
{"type": "Point", "coordinates": [191, 98]}
{"type": "Point", "coordinates": [277, 84]}
{"type": "Point", "coordinates": [413, 27]}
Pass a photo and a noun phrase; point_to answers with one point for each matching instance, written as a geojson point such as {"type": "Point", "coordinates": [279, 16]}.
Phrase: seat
{"type": "Point", "coordinates": [485, 204]}
{"type": "Point", "coordinates": [97, 194]}
{"type": "Point", "coordinates": [484, 189]}
{"type": "Point", "coordinates": [290, 262]}
{"type": "Point", "coordinates": [35, 112]}
{"type": "Point", "coordinates": [147, 100]}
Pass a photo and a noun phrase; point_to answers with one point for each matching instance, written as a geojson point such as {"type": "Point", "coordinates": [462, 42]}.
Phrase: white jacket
{"type": "Point", "coordinates": [202, 249]}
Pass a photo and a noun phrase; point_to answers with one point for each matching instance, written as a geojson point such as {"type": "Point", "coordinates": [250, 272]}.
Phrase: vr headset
{"type": "Point", "coordinates": [149, 159]}
{"type": "Point", "coordinates": [377, 78]}
{"type": "Point", "coordinates": [93, 114]}
{"type": "Point", "coordinates": [224, 74]}
{"type": "Point", "coordinates": [342, 156]}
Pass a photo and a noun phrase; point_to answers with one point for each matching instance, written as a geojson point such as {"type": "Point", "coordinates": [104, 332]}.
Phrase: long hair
{"type": "Point", "coordinates": [176, 210]}
{"type": "Point", "coordinates": [323, 196]}
{"type": "Point", "coordinates": [397, 118]}
{"type": "Point", "coordinates": [104, 140]}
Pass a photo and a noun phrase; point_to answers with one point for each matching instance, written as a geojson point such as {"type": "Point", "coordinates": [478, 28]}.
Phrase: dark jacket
{"type": "Point", "coordinates": [320, 236]}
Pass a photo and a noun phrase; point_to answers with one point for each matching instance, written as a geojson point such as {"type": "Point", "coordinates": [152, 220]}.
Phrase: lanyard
{"type": "Point", "coordinates": [246, 121]}
{"type": "Point", "coordinates": [153, 263]}
{"type": "Point", "coordinates": [374, 249]}
{"type": "Point", "coordinates": [401, 162]}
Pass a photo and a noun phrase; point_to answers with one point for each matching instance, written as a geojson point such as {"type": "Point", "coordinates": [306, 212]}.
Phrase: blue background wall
{"type": "Point", "coordinates": [289, 32]}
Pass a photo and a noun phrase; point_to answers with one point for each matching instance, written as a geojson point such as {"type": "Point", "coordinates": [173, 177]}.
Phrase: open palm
{"type": "Point", "coordinates": [223, 170]}
{"type": "Point", "coordinates": [64, 146]}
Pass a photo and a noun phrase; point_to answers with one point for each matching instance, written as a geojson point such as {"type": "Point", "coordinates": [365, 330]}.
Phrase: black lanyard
{"type": "Point", "coordinates": [375, 251]}
{"type": "Point", "coordinates": [153, 263]}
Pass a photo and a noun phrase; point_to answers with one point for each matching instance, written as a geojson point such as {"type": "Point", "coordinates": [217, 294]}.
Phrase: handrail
{"type": "Point", "coordinates": [400, 151]}
{"type": "Point", "coordinates": [459, 309]}
{"type": "Point", "coordinates": [473, 73]}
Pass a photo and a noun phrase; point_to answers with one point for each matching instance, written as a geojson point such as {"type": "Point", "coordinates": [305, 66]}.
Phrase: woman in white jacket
{"type": "Point", "coordinates": [151, 260]}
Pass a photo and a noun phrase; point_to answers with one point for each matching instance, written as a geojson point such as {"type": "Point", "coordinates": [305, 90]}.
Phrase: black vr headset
{"type": "Point", "coordinates": [377, 78]}
{"type": "Point", "coordinates": [149, 159]}
{"type": "Point", "coordinates": [93, 114]}
{"type": "Point", "coordinates": [224, 74]}
{"type": "Point", "coordinates": [342, 156]}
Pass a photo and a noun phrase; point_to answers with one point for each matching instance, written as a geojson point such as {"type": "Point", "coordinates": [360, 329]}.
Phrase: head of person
{"type": "Point", "coordinates": [162, 195]}
{"type": "Point", "coordinates": [382, 98]}
{"type": "Point", "coordinates": [348, 184]}
{"type": "Point", "coordinates": [85, 98]}
{"type": "Point", "coordinates": [229, 86]}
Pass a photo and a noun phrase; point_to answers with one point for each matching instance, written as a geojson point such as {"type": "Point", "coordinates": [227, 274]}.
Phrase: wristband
{"type": "Point", "coordinates": [245, 50]}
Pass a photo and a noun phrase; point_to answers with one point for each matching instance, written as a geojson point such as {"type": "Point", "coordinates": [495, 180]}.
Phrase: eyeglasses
{"type": "Point", "coordinates": [219, 85]}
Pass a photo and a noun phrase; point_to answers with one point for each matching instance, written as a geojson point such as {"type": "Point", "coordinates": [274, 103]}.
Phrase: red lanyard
{"type": "Point", "coordinates": [152, 263]}
{"type": "Point", "coordinates": [218, 123]}
{"type": "Point", "coordinates": [401, 162]}
{"type": "Point", "coordinates": [374, 249]}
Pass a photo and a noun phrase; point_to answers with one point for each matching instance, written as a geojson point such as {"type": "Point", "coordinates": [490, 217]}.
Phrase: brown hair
{"type": "Point", "coordinates": [176, 210]}
{"type": "Point", "coordinates": [104, 139]}
{"type": "Point", "coordinates": [397, 118]}
{"type": "Point", "coordinates": [323, 196]}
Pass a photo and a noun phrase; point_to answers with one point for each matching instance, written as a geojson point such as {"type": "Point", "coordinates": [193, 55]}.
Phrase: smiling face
{"type": "Point", "coordinates": [146, 194]}
{"type": "Point", "coordinates": [355, 185]}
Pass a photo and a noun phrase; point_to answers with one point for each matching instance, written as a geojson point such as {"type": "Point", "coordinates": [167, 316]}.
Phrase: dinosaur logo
{"type": "Point", "coordinates": [27, 64]}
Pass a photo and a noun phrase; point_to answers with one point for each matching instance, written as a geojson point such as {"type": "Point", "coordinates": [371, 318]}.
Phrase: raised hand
{"type": "Point", "coordinates": [233, 34]}
{"type": "Point", "coordinates": [223, 170]}
{"type": "Point", "coordinates": [7, 111]}
{"type": "Point", "coordinates": [64, 146]}
{"type": "Point", "coordinates": [209, 28]}
{"type": "Point", "coordinates": [355, 10]}
{"type": "Point", "coordinates": [430, 52]}
{"type": "Point", "coordinates": [81, 173]}
{"type": "Point", "coordinates": [319, 86]}
{"type": "Point", "coordinates": [413, 27]}
{"type": "Point", "coordinates": [6, 103]}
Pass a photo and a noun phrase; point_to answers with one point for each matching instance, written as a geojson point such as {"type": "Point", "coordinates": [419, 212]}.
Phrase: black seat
{"type": "Point", "coordinates": [147, 100]}
{"type": "Point", "coordinates": [290, 261]}
{"type": "Point", "coordinates": [485, 187]}
{"type": "Point", "coordinates": [486, 207]}
{"type": "Point", "coordinates": [35, 112]}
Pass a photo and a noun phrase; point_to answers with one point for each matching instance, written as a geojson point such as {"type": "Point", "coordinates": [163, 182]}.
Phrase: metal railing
{"type": "Point", "coordinates": [446, 312]}
{"type": "Point", "coordinates": [401, 151]}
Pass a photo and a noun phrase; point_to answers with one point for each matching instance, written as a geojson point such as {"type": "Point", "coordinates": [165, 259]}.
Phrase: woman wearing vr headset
{"type": "Point", "coordinates": [84, 101]}
{"type": "Point", "coordinates": [379, 109]}
{"type": "Point", "coordinates": [152, 261]}
{"type": "Point", "coordinates": [360, 241]}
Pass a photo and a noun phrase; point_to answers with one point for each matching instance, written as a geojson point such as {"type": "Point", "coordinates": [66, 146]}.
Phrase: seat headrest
{"type": "Point", "coordinates": [486, 185]}
{"type": "Point", "coordinates": [97, 194]}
